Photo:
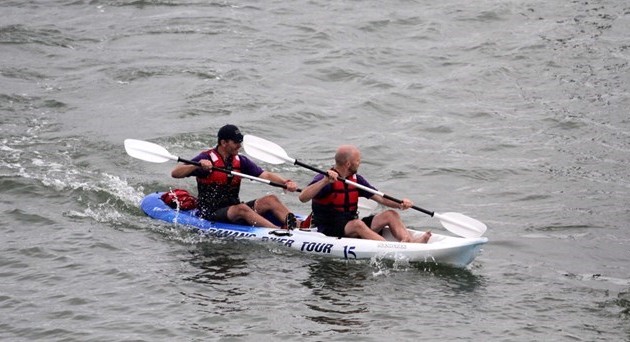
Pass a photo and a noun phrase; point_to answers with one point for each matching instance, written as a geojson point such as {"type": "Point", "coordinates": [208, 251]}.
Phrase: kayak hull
{"type": "Point", "coordinates": [441, 249]}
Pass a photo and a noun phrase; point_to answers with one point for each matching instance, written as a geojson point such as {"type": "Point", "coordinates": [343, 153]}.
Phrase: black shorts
{"type": "Point", "coordinates": [337, 228]}
{"type": "Point", "coordinates": [221, 214]}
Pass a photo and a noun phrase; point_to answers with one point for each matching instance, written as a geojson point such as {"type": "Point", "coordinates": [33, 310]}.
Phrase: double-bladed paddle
{"type": "Point", "coordinates": [155, 153]}
{"type": "Point", "coordinates": [270, 152]}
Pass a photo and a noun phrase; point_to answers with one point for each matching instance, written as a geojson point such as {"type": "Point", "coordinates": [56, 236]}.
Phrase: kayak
{"type": "Point", "coordinates": [440, 249]}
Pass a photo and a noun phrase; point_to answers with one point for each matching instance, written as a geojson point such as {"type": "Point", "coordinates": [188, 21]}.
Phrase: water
{"type": "Point", "coordinates": [511, 112]}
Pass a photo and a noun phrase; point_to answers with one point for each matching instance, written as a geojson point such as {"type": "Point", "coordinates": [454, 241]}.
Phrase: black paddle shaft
{"type": "Point", "coordinates": [297, 162]}
{"type": "Point", "coordinates": [186, 161]}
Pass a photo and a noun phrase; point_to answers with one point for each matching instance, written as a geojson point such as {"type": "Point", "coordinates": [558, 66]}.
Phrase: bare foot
{"type": "Point", "coordinates": [424, 238]}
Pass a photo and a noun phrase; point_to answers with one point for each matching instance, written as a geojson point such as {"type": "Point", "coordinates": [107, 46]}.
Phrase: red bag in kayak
{"type": "Point", "coordinates": [179, 199]}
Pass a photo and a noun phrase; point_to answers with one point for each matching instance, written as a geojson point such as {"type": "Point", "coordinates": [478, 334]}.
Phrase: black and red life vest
{"type": "Point", "coordinates": [340, 204]}
{"type": "Point", "coordinates": [219, 189]}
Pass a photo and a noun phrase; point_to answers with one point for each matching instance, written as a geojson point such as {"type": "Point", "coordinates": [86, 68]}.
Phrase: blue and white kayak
{"type": "Point", "coordinates": [440, 249]}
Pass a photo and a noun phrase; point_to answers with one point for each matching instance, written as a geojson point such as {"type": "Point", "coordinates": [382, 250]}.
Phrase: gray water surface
{"type": "Point", "coordinates": [511, 112]}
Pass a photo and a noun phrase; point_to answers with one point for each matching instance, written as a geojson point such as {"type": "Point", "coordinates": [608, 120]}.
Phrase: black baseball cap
{"type": "Point", "coordinates": [230, 132]}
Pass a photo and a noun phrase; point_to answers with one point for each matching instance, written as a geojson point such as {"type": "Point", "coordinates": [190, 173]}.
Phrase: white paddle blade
{"type": "Point", "coordinates": [461, 224]}
{"type": "Point", "coordinates": [147, 151]}
{"type": "Point", "coordinates": [265, 150]}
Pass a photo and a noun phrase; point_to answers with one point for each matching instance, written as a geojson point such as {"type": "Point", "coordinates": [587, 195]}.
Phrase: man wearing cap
{"type": "Point", "coordinates": [218, 192]}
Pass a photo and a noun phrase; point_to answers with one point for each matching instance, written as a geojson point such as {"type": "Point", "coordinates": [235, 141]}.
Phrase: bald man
{"type": "Point", "coordinates": [335, 203]}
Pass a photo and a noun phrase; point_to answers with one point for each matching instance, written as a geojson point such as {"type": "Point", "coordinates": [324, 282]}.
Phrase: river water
{"type": "Point", "coordinates": [512, 112]}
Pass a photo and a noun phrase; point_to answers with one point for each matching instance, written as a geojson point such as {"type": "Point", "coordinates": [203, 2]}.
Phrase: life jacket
{"type": "Point", "coordinates": [340, 204]}
{"type": "Point", "coordinates": [219, 189]}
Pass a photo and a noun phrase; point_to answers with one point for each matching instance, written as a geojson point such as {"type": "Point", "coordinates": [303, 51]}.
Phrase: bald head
{"type": "Point", "coordinates": [348, 158]}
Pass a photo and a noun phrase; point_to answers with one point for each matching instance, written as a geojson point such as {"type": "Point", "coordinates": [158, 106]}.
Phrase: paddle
{"type": "Point", "coordinates": [270, 152]}
{"type": "Point", "coordinates": [155, 153]}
